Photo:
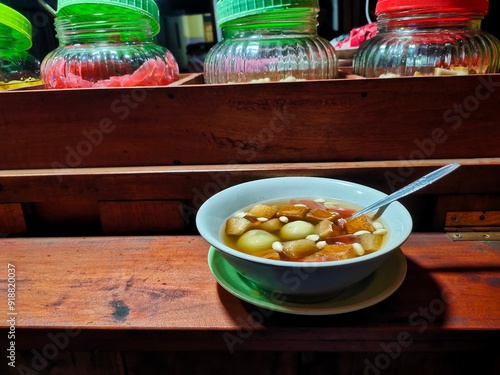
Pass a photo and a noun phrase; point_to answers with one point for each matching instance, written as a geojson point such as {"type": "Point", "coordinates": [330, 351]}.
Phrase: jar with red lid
{"type": "Point", "coordinates": [429, 37]}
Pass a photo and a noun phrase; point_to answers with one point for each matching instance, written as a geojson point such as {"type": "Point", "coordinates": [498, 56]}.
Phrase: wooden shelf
{"type": "Point", "coordinates": [99, 188]}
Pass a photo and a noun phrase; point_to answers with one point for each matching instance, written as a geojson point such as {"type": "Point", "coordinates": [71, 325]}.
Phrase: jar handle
{"type": "Point", "coordinates": [47, 7]}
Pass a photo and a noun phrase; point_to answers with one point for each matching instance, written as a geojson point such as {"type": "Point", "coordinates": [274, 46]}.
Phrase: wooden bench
{"type": "Point", "coordinates": [156, 294]}
{"type": "Point", "coordinates": [99, 190]}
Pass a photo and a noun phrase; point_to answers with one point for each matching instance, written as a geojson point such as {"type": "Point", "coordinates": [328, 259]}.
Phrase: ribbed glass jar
{"type": "Point", "coordinates": [18, 68]}
{"type": "Point", "coordinates": [417, 40]}
{"type": "Point", "coordinates": [273, 47]}
{"type": "Point", "coordinates": [107, 50]}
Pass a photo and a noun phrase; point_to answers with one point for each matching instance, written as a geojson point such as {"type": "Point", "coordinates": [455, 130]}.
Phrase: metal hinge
{"type": "Point", "coordinates": [473, 226]}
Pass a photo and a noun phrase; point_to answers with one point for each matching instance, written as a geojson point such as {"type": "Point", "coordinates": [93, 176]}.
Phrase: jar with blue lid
{"type": "Point", "coordinates": [269, 41]}
{"type": "Point", "coordinates": [108, 43]}
{"type": "Point", "coordinates": [18, 68]}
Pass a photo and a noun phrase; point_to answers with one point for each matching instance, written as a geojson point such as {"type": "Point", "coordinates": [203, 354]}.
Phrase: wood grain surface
{"type": "Point", "coordinates": [316, 121]}
{"type": "Point", "coordinates": [158, 293]}
{"type": "Point", "coordinates": [122, 161]}
{"type": "Point", "coordinates": [96, 201]}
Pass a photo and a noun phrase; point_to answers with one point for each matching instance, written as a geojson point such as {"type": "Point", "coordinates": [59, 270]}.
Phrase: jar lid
{"type": "Point", "coordinates": [228, 10]}
{"type": "Point", "coordinates": [18, 25]}
{"type": "Point", "coordinates": [440, 5]}
{"type": "Point", "coordinates": [147, 8]}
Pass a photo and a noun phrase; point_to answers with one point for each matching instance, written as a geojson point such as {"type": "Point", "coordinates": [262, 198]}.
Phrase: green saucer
{"type": "Point", "coordinates": [369, 291]}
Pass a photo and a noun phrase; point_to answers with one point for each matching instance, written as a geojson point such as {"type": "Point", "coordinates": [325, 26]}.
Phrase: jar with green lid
{"type": "Point", "coordinates": [108, 43]}
{"type": "Point", "coordinates": [428, 37]}
{"type": "Point", "coordinates": [18, 68]}
{"type": "Point", "coordinates": [269, 40]}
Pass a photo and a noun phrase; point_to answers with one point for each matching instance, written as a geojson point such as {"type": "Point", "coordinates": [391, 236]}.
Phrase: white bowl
{"type": "Point", "coordinates": [300, 280]}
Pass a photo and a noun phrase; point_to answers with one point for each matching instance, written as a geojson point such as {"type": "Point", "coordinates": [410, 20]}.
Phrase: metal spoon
{"type": "Point", "coordinates": [408, 189]}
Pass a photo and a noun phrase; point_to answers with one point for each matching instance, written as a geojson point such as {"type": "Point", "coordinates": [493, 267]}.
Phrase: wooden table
{"type": "Point", "coordinates": [157, 294]}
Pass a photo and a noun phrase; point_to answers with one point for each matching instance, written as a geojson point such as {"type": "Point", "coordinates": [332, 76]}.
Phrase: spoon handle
{"type": "Point", "coordinates": [408, 189]}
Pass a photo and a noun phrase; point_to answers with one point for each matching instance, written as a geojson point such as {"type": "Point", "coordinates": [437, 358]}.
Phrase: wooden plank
{"type": "Point", "coordinates": [447, 203]}
{"type": "Point", "coordinates": [210, 362]}
{"type": "Point", "coordinates": [55, 213]}
{"type": "Point", "coordinates": [50, 360]}
{"type": "Point", "coordinates": [308, 363]}
{"type": "Point", "coordinates": [12, 219]}
{"type": "Point", "coordinates": [141, 217]}
{"type": "Point", "coordinates": [200, 182]}
{"type": "Point", "coordinates": [55, 217]}
{"type": "Point", "coordinates": [157, 293]}
{"type": "Point", "coordinates": [192, 185]}
{"type": "Point", "coordinates": [261, 362]}
{"type": "Point", "coordinates": [323, 121]}
{"type": "Point", "coordinates": [401, 363]}
{"type": "Point", "coordinates": [473, 219]}
{"type": "Point", "coordinates": [190, 79]}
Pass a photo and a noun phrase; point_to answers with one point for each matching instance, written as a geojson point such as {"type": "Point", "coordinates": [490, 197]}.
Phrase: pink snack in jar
{"type": "Point", "coordinates": [109, 44]}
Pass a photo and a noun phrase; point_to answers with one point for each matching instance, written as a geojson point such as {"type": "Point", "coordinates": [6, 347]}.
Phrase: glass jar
{"type": "Point", "coordinates": [269, 40]}
{"type": "Point", "coordinates": [422, 37]}
{"type": "Point", "coordinates": [18, 68]}
{"type": "Point", "coordinates": [109, 44]}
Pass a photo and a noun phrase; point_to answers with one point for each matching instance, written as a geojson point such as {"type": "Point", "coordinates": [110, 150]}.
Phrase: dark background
{"type": "Point", "coordinates": [351, 13]}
